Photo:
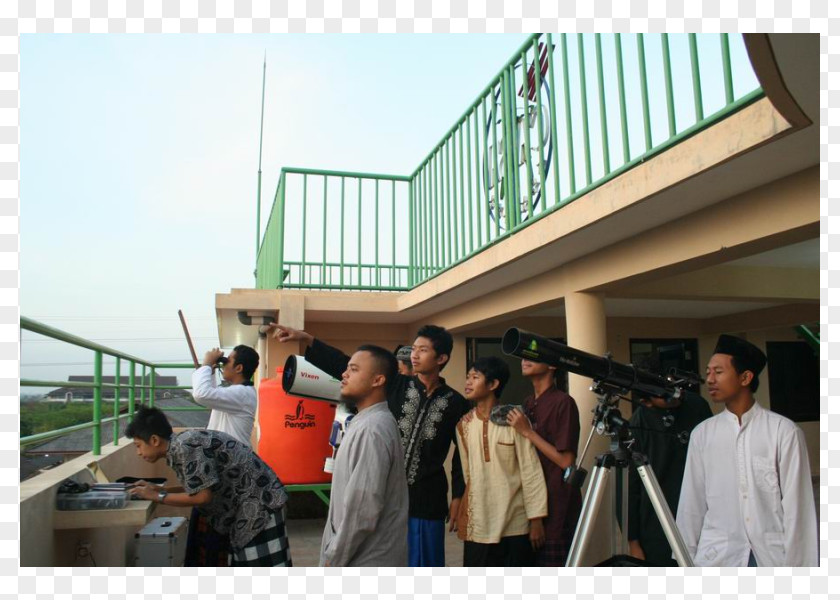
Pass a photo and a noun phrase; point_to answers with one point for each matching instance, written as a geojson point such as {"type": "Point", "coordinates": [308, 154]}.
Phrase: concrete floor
{"type": "Point", "coordinates": [305, 542]}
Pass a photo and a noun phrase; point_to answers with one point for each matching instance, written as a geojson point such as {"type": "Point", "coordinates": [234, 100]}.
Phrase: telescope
{"type": "Point", "coordinates": [603, 370]}
{"type": "Point", "coordinates": [302, 378]}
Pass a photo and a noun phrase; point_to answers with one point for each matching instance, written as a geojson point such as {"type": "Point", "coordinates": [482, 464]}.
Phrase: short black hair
{"type": "Point", "coordinates": [441, 340]}
{"type": "Point", "coordinates": [494, 369]}
{"type": "Point", "coordinates": [147, 422]}
{"type": "Point", "coordinates": [740, 366]}
{"type": "Point", "coordinates": [248, 358]}
{"type": "Point", "coordinates": [384, 362]}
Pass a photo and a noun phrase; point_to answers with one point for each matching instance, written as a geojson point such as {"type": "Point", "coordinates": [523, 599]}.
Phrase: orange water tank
{"type": "Point", "coordinates": [294, 433]}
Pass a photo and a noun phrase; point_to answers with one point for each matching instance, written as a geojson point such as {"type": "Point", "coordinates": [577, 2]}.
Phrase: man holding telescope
{"type": "Point", "coordinates": [367, 521]}
{"type": "Point", "coordinates": [555, 434]}
{"type": "Point", "coordinates": [427, 411]}
{"type": "Point", "coordinates": [661, 430]}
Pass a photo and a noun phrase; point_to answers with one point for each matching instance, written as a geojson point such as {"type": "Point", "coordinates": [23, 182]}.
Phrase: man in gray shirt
{"type": "Point", "coordinates": [367, 524]}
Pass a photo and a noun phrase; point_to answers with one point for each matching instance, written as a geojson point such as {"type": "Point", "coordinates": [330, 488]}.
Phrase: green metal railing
{"type": "Point", "coordinates": [810, 337]}
{"type": "Point", "coordinates": [148, 383]}
{"type": "Point", "coordinates": [311, 241]}
{"type": "Point", "coordinates": [563, 116]}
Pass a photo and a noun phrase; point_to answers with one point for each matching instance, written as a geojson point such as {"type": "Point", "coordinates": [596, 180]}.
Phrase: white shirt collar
{"type": "Point", "coordinates": [747, 416]}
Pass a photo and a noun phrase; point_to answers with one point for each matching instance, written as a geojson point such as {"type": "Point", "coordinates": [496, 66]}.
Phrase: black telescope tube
{"type": "Point", "coordinates": [530, 346]}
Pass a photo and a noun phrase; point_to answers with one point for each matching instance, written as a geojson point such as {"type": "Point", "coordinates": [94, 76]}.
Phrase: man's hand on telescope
{"type": "Point", "coordinates": [281, 333]}
{"type": "Point", "coordinates": [517, 419]}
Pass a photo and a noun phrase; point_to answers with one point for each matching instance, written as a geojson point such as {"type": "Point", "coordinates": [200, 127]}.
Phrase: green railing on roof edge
{"type": "Point", "coordinates": [507, 161]}
{"type": "Point", "coordinates": [98, 385]}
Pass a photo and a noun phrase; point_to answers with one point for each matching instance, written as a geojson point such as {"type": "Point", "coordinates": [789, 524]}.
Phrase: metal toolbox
{"type": "Point", "coordinates": [161, 543]}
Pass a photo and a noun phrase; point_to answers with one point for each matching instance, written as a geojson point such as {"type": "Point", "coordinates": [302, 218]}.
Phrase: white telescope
{"type": "Point", "coordinates": [302, 378]}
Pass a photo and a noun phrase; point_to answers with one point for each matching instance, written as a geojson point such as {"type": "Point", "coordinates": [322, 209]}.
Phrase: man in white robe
{"type": "Point", "coordinates": [747, 497]}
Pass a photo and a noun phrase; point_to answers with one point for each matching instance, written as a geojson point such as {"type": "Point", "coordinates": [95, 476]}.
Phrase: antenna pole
{"type": "Point", "coordinates": [259, 169]}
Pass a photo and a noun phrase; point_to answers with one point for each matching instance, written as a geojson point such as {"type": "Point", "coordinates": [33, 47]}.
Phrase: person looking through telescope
{"type": "Point", "coordinates": [661, 430]}
{"type": "Point", "coordinates": [427, 411]}
{"type": "Point", "coordinates": [233, 409]}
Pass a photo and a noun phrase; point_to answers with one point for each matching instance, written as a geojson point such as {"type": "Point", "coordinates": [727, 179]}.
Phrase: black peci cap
{"type": "Point", "coordinates": [745, 352]}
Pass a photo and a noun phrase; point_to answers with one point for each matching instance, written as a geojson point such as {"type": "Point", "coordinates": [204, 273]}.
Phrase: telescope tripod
{"type": "Point", "coordinates": [608, 420]}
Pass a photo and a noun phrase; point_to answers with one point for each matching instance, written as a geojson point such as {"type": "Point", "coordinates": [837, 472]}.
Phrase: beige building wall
{"type": "Point", "coordinates": [112, 544]}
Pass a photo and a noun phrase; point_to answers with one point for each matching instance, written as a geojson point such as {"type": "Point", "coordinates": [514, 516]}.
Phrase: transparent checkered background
{"type": "Point", "coordinates": [387, 16]}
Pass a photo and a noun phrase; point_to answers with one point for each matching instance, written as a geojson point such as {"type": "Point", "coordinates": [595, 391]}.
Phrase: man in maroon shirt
{"type": "Point", "coordinates": [555, 434]}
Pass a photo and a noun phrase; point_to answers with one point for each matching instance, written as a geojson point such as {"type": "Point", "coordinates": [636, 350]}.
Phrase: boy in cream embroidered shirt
{"type": "Point", "coordinates": [505, 498]}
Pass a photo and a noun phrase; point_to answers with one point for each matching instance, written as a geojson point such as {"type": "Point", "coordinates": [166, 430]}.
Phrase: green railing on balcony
{"type": "Point", "coordinates": [566, 114]}
{"type": "Point", "coordinates": [147, 391]}
{"type": "Point", "coordinates": [337, 230]}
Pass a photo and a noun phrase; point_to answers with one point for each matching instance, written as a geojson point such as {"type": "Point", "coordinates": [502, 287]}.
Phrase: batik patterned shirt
{"type": "Point", "coordinates": [245, 489]}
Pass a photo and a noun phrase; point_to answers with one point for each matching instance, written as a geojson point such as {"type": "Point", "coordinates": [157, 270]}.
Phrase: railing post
{"type": "Point", "coordinates": [117, 404]}
{"type": "Point", "coordinates": [526, 126]}
{"type": "Point", "coordinates": [552, 109]}
{"type": "Point", "coordinates": [394, 231]}
{"type": "Point", "coordinates": [359, 233]}
{"type": "Point", "coordinates": [341, 221]}
{"type": "Point", "coordinates": [411, 234]}
{"type": "Point", "coordinates": [324, 238]}
{"type": "Point", "coordinates": [568, 98]}
{"type": "Point", "coordinates": [376, 267]}
{"type": "Point", "coordinates": [303, 270]}
{"type": "Point", "coordinates": [282, 225]}
{"type": "Point", "coordinates": [152, 388]}
{"type": "Point", "coordinates": [97, 403]}
{"type": "Point", "coordinates": [143, 385]}
{"type": "Point", "coordinates": [131, 389]}
{"type": "Point", "coordinates": [695, 77]}
{"type": "Point", "coordinates": [602, 104]}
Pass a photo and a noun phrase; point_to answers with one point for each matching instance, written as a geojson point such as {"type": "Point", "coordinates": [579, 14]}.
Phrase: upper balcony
{"type": "Point", "coordinates": [565, 115]}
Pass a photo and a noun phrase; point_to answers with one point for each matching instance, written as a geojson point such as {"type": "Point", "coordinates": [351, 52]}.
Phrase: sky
{"type": "Point", "coordinates": [139, 165]}
{"type": "Point", "coordinates": [139, 158]}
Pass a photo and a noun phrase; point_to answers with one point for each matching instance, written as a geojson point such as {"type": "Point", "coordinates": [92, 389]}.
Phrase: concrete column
{"type": "Point", "coordinates": [586, 329]}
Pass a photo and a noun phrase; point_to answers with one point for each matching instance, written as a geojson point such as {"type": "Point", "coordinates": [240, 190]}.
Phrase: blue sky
{"type": "Point", "coordinates": [139, 159]}
{"type": "Point", "coordinates": [139, 156]}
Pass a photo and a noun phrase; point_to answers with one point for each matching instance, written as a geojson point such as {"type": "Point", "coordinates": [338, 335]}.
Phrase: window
{"type": "Point", "coordinates": [673, 353]}
{"type": "Point", "coordinates": [793, 371]}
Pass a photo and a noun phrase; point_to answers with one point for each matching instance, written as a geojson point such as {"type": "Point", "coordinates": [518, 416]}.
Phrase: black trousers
{"type": "Point", "coordinates": [513, 551]}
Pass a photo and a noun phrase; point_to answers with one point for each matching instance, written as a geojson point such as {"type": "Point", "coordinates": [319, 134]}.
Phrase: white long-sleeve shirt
{"type": "Point", "coordinates": [233, 407]}
{"type": "Point", "coordinates": [748, 487]}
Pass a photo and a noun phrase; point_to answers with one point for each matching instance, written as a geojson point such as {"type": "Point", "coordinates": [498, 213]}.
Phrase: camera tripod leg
{"type": "Point", "coordinates": [588, 513]}
{"type": "Point", "coordinates": [663, 512]}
